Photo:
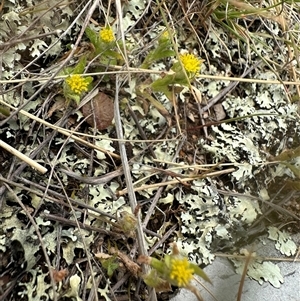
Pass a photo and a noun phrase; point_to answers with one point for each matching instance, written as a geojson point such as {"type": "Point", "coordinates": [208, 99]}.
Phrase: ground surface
{"type": "Point", "coordinates": [210, 161]}
{"type": "Point", "coordinates": [226, 281]}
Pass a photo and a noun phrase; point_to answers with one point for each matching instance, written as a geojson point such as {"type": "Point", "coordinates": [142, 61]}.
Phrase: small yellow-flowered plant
{"type": "Point", "coordinates": [173, 269]}
{"type": "Point", "coordinates": [165, 35]}
{"type": "Point", "coordinates": [191, 63]}
{"type": "Point", "coordinates": [107, 35]}
{"type": "Point", "coordinates": [181, 272]}
{"type": "Point", "coordinates": [77, 84]}
{"type": "Point", "coordinates": [182, 73]}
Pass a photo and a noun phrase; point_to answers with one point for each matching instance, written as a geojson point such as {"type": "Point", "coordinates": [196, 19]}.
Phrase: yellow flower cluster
{"type": "Point", "coordinates": [191, 63]}
{"type": "Point", "coordinates": [181, 271]}
{"type": "Point", "coordinates": [77, 83]}
{"type": "Point", "coordinates": [107, 35]}
{"type": "Point", "coordinates": [165, 35]}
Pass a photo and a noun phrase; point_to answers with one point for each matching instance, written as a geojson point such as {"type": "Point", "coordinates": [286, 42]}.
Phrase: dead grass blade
{"type": "Point", "coordinates": [23, 157]}
{"type": "Point", "coordinates": [128, 180]}
{"type": "Point", "coordinates": [69, 134]}
{"type": "Point", "coordinates": [240, 291]}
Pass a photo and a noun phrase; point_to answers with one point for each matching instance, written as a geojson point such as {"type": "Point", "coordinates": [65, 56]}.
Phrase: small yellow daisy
{"type": "Point", "coordinates": [107, 35]}
{"type": "Point", "coordinates": [191, 63]}
{"type": "Point", "coordinates": [77, 83]}
{"type": "Point", "coordinates": [181, 271]}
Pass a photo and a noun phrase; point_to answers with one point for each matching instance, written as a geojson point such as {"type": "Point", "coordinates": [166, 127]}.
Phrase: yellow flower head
{"type": "Point", "coordinates": [165, 35]}
{"type": "Point", "coordinates": [107, 35]}
{"type": "Point", "coordinates": [191, 63]}
{"type": "Point", "coordinates": [181, 271]}
{"type": "Point", "coordinates": [77, 83]}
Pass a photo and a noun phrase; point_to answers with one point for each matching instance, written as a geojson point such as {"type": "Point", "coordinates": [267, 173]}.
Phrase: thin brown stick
{"type": "Point", "coordinates": [66, 221]}
{"type": "Point", "coordinates": [172, 182]}
{"type": "Point", "coordinates": [240, 291]}
{"type": "Point", "coordinates": [14, 42]}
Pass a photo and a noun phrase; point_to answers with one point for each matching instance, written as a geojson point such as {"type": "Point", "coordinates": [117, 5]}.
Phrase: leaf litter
{"type": "Point", "coordinates": [210, 213]}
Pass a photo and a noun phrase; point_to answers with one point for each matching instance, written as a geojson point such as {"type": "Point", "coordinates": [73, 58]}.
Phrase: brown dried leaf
{"type": "Point", "coordinates": [59, 104]}
{"type": "Point", "coordinates": [99, 111]}
{"type": "Point", "coordinates": [59, 275]}
{"type": "Point", "coordinates": [131, 266]}
{"type": "Point", "coordinates": [101, 255]}
{"type": "Point", "coordinates": [219, 111]}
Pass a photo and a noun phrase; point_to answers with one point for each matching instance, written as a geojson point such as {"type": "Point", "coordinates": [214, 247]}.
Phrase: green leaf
{"type": "Point", "coordinates": [93, 36]}
{"type": "Point", "coordinates": [66, 71]}
{"type": "Point", "coordinates": [178, 77]}
{"type": "Point", "coordinates": [89, 79]}
{"type": "Point", "coordinates": [74, 97]}
{"type": "Point", "coordinates": [152, 279]}
{"type": "Point", "coordinates": [165, 54]}
{"type": "Point", "coordinates": [69, 94]}
{"type": "Point", "coordinates": [162, 84]}
{"type": "Point", "coordinates": [167, 260]}
{"type": "Point", "coordinates": [110, 57]}
{"type": "Point", "coordinates": [141, 91]}
{"type": "Point", "coordinates": [110, 265]}
{"type": "Point", "coordinates": [198, 271]}
{"type": "Point", "coordinates": [159, 266]}
{"type": "Point", "coordinates": [79, 68]}
{"type": "Point", "coordinates": [4, 111]}
{"type": "Point", "coordinates": [161, 51]}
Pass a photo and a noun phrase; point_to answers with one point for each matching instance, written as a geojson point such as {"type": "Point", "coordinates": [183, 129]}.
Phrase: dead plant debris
{"type": "Point", "coordinates": [213, 164]}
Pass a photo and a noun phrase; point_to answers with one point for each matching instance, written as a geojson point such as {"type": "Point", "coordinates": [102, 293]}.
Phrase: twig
{"type": "Point", "coordinates": [272, 205]}
{"type": "Point", "coordinates": [94, 180]}
{"type": "Point", "coordinates": [128, 180]}
{"type": "Point", "coordinates": [16, 171]}
{"type": "Point", "coordinates": [257, 257]}
{"type": "Point", "coordinates": [228, 89]}
{"type": "Point", "coordinates": [59, 196]}
{"type": "Point", "coordinates": [163, 239]}
{"type": "Point", "coordinates": [149, 71]}
{"type": "Point", "coordinates": [141, 131]}
{"type": "Point", "coordinates": [63, 131]}
{"type": "Point", "coordinates": [160, 189]}
{"type": "Point", "coordinates": [66, 221]}
{"type": "Point", "coordinates": [14, 42]}
{"type": "Point", "coordinates": [172, 182]}
{"type": "Point", "coordinates": [23, 157]}
{"type": "Point", "coordinates": [245, 269]}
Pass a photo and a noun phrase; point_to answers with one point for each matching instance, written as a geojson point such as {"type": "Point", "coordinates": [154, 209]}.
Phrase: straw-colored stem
{"type": "Point", "coordinates": [23, 157]}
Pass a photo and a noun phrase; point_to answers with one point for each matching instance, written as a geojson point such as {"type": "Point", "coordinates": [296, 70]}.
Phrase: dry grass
{"type": "Point", "coordinates": [56, 171]}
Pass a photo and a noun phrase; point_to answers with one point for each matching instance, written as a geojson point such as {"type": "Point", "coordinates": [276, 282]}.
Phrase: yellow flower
{"type": "Point", "coordinates": [107, 35]}
{"type": "Point", "coordinates": [77, 83]}
{"type": "Point", "coordinates": [165, 35]}
{"type": "Point", "coordinates": [191, 63]}
{"type": "Point", "coordinates": [181, 271]}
